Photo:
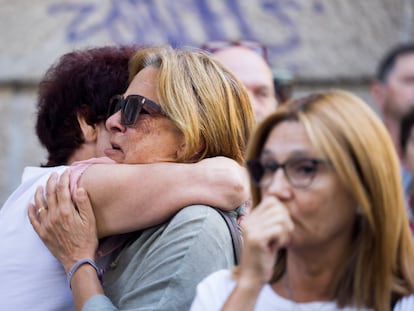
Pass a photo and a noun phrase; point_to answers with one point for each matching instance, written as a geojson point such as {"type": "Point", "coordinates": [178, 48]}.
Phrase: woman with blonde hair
{"type": "Point", "coordinates": [328, 230]}
{"type": "Point", "coordinates": [180, 106]}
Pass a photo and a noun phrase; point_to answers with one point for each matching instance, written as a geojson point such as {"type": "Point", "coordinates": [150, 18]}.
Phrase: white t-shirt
{"type": "Point", "coordinates": [214, 290]}
{"type": "Point", "coordinates": [31, 278]}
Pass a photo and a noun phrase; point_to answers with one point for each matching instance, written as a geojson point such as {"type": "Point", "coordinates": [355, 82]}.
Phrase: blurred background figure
{"type": "Point", "coordinates": [407, 158]}
{"type": "Point", "coordinates": [283, 83]}
{"type": "Point", "coordinates": [248, 61]}
{"type": "Point", "coordinates": [393, 88]}
{"type": "Point", "coordinates": [393, 93]}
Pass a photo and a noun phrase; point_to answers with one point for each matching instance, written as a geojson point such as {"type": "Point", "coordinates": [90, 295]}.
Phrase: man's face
{"type": "Point", "coordinates": [399, 87]}
{"type": "Point", "coordinates": [251, 69]}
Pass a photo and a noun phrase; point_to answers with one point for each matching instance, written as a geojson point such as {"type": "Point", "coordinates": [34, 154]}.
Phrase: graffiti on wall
{"type": "Point", "coordinates": [147, 22]}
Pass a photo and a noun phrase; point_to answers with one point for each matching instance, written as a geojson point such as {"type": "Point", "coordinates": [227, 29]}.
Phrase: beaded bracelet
{"type": "Point", "coordinates": [79, 263]}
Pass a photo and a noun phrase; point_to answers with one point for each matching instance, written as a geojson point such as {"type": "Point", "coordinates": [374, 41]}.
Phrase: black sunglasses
{"type": "Point", "coordinates": [131, 107]}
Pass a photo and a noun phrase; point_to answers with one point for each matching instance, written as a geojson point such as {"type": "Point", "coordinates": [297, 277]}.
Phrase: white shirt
{"type": "Point", "coordinates": [31, 278]}
{"type": "Point", "coordinates": [214, 290]}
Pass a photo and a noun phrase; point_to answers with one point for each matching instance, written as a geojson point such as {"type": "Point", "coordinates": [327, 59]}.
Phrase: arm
{"type": "Point", "coordinates": [131, 197]}
{"type": "Point", "coordinates": [265, 230]}
{"type": "Point", "coordinates": [165, 262]}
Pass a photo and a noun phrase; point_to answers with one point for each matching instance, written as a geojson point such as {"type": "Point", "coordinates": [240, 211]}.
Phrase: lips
{"type": "Point", "coordinates": [115, 152]}
{"type": "Point", "coordinates": [115, 146]}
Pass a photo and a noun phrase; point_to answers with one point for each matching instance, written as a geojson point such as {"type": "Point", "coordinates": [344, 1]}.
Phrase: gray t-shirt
{"type": "Point", "coordinates": [162, 267]}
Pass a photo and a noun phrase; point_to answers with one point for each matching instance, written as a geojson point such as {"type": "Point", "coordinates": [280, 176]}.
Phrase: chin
{"type": "Point", "coordinates": [116, 158]}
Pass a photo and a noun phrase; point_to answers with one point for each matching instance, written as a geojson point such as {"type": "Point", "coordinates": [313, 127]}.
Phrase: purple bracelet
{"type": "Point", "coordinates": [79, 263]}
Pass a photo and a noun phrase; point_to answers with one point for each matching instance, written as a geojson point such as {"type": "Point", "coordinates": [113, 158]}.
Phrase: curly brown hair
{"type": "Point", "coordinates": [81, 81]}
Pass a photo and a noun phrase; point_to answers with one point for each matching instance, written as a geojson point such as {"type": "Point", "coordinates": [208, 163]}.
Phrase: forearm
{"type": "Point", "coordinates": [132, 197]}
{"type": "Point", "coordinates": [85, 284]}
{"type": "Point", "coordinates": [225, 188]}
{"type": "Point", "coordinates": [99, 303]}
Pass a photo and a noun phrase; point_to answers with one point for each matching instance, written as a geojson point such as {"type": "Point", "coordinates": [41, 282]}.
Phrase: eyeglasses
{"type": "Point", "coordinates": [215, 46]}
{"type": "Point", "coordinates": [300, 172]}
{"type": "Point", "coordinates": [131, 107]}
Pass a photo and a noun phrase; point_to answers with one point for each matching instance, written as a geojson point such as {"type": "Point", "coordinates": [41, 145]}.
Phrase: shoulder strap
{"type": "Point", "coordinates": [235, 234]}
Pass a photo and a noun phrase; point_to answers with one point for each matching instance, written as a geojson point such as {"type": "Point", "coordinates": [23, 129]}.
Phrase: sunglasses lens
{"type": "Point", "coordinates": [131, 111]}
{"type": "Point", "coordinates": [115, 105]}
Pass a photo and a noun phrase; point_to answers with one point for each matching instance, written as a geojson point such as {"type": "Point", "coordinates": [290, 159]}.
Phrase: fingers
{"type": "Point", "coordinates": [50, 189]}
{"type": "Point", "coordinates": [38, 213]}
{"type": "Point", "coordinates": [84, 205]}
{"type": "Point", "coordinates": [269, 225]}
{"type": "Point", "coordinates": [40, 207]}
{"type": "Point", "coordinates": [57, 199]}
{"type": "Point", "coordinates": [33, 218]}
{"type": "Point", "coordinates": [69, 235]}
{"type": "Point", "coordinates": [265, 230]}
{"type": "Point", "coordinates": [63, 194]}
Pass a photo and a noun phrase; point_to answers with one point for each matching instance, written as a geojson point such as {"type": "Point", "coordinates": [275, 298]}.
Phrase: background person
{"type": "Point", "coordinates": [393, 88]}
{"type": "Point", "coordinates": [407, 157]}
{"type": "Point", "coordinates": [247, 60]}
{"type": "Point", "coordinates": [393, 93]}
{"type": "Point", "coordinates": [72, 107]}
{"type": "Point", "coordinates": [328, 230]}
{"type": "Point", "coordinates": [194, 109]}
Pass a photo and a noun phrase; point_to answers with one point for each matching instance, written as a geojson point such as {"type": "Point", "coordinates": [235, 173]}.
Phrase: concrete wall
{"type": "Point", "coordinates": [323, 43]}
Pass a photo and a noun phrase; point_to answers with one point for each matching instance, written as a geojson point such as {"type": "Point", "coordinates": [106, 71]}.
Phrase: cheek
{"type": "Point", "coordinates": [153, 147]}
{"type": "Point", "coordinates": [137, 147]}
{"type": "Point", "coordinates": [103, 142]}
{"type": "Point", "coordinates": [405, 92]}
{"type": "Point", "coordinates": [134, 155]}
{"type": "Point", "coordinates": [306, 208]}
{"type": "Point", "coordinates": [323, 212]}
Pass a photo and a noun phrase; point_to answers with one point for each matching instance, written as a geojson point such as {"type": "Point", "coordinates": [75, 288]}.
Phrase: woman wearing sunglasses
{"type": "Point", "coordinates": [328, 230]}
{"type": "Point", "coordinates": [72, 108]}
{"type": "Point", "coordinates": [181, 106]}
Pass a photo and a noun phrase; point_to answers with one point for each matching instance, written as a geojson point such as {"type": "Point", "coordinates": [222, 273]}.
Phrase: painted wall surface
{"type": "Point", "coordinates": [313, 38]}
{"type": "Point", "coordinates": [318, 41]}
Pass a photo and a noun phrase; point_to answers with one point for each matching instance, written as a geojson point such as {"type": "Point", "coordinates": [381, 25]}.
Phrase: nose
{"type": "Point", "coordinates": [113, 123]}
{"type": "Point", "coordinates": [280, 186]}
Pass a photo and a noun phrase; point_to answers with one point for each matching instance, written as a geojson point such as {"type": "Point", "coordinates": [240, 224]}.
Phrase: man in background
{"type": "Point", "coordinates": [393, 88]}
{"type": "Point", "coordinates": [393, 93]}
{"type": "Point", "coordinates": [247, 60]}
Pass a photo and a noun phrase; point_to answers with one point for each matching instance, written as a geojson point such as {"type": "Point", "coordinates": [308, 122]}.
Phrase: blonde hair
{"type": "Point", "coordinates": [357, 144]}
{"type": "Point", "coordinates": [206, 102]}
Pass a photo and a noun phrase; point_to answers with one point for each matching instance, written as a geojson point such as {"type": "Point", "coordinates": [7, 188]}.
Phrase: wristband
{"type": "Point", "coordinates": [79, 263]}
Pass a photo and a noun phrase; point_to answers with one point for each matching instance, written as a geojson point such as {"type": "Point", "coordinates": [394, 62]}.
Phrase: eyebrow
{"type": "Point", "coordinates": [291, 155]}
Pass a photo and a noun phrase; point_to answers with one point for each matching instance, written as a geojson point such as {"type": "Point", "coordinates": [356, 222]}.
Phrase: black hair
{"type": "Point", "coordinates": [388, 62]}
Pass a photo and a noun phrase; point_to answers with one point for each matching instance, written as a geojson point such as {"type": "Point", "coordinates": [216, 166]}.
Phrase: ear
{"type": "Point", "coordinates": [89, 131]}
{"type": "Point", "coordinates": [378, 93]}
{"type": "Point", "coordinates": [182, 149]}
